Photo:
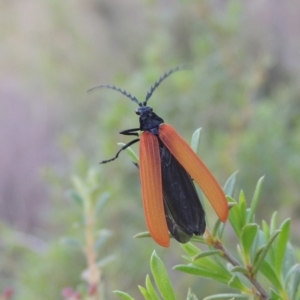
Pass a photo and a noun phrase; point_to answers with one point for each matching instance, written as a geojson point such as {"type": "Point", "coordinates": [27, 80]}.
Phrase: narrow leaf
{"type": "Point", "coordinates": [123, 295]}
{"type": "Point", "coordinates": [273, 221]}
{"type": "Point", "coordinates": [131, 153]}
{"type": "Point", "coordinates": [231, 201]}
{"type": "Point", "coordinates": [145, 293]}
{"type": "Point", "coordinates": [274, 295]}
{"type": "Point", "coordinates": [226, 296]}
{"type": "Point", "coordinates": [230, 184]}
{"type": "Point", "coordinates": [190, 249]}
{"type": "Point", "coordinates": [281, 245]}
{"type": "Point", "coordinates": [161, 277]}
{"type": "Point", "coordinates": [196, 140]}
{"type": "Point", "coordinates": [236, 283]}
{"type": "Point", "coordinates": [254, 202]}
{"type": "Point", "coordinates": [221, 277]}
{"type": "Point", "coordinates": [150, 289]}
{"type": "Point", "coordinates": [264, 252]}
{"type": "Point", "coordinates": [104, 234]}
{"type": "Point", "coordinates": [295, 268]}
{"type": "Point", "coordinates": [80, 188]}
{"type": "Point", "coordinates": [142, 234]}
{"type": "Point", "coordinates": [211, 265]}
{"type": "Point", "coordinates": [273, 226]}
{"type": "Point", "coordinates": [198, 239]}
{"type": "Point", "coordinates": [207, 253]}
{"type": "Point", "coordinates": [106, 260]}
{"type": "Point", "coordinates": [257, 254]}
{"type": "Point", "coordinates": [76, 198]}
{"type": "Point", "coordinates": [191, 295]}
{"type": "Point", "coordinates": [100, 203]}
{"type": "Point", "coordinates": [243, 207]}
{"type": "Point", "coordinates": [216, 228]}
{"type": "Point", "coordinates": [71, 242]}
{"type": "Point", "coordinates": [268, 271]}
{"type": "Point", "coordinates": [266, 230]}
{"type": "Point", "coordinates": [247, 237]}
{"type": "Point", "coordinates": [240, 269]}
{"type": "Point", "coordinates": [235, 220]}
{"type": "Point", "coordinates": [295, 284]}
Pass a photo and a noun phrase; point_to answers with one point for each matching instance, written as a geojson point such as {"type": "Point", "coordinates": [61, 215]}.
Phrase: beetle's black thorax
{"type": "Point", "coordinates": [149, 121]}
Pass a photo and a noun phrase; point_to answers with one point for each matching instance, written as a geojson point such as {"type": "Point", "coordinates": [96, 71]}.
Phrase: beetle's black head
{"type": "Point", "coordinates": [149, 121]}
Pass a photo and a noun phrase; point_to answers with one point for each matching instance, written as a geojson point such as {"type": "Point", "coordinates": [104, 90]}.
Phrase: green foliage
{"type": "Point", "coordinates": [163, 288]}
{"type": "Point", "coordinates": [264, 257]}
{"type": "Point", "coordinates": [261, 251]}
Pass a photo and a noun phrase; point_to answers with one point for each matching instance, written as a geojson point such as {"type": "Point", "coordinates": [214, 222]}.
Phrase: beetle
{"type": "Point", "coordinates": [168, 166]}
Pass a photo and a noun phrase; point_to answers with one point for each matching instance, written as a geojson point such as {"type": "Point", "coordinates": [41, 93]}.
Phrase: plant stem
{"type": "Point", "coordinates": [226, 255]}
{"type": "Point", "coordinates": [94, 274]}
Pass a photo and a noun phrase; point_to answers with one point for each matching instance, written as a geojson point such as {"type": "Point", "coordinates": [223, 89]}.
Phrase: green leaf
{"type": "Point", "coordinates": [210, 265]}
{"type": "Point", "coordinates": [235, 219]}
{"type": "Point", "coordinates": [259, 261]}
{"type": "Point", "coordinates": [196, 140]}
{"type": "Point", "coordinates": [218, 229]}
{"type": "Point", "coordinates": [145, 293]}
{"type": "Point", "coordinates": [272, 229]}
{"type": "Point", "coordinates": [257, 254]}
{"type": "Point", "coordinates": [230, 184]}
{"type": "Point", "coordinates": [76, 198]}
{"type": "Point", "coordinates": [93, 178]}
{"type": "Point", "coordinates": [268, 271]}
{"type": "Point", "coordinates": [237, 215]}
{"type": "Point", "coordinates": [281, 245]}
{"type": "Point", "coordinates": [94, 195]}
{"type": "Point", "coordinates": [142, 234]}
{"type": "Point", "coordinates": [131, 153]}
{"type": "Point", "coordinates": [247, 237]}
{"type": "Point", "coordinates": [198, 239]}
{"type": "Point", "coordinates": [207, 253]}
{"type": "Point", "coordinates": [273, 222]}
{"type": "Point", "coordinates": [254, 202]}
{"type": "Point", "coordinates": [231, 201]}
{"type": "Point", "coordinates": [291, 272]}
{"type": "Point", "coordinates": [106, 260]}
{"type": "Point", "coordinates": [236, 283]}
{"type": "Point", "coordinates": [80, 188]}
{"type": "Point", "coordinates": [190, 249]}
{"type": "Point", "coordinates": [266, 230]}
{"type": "Point", "coordinates": [191, 295]}
{"type": "Point", "coordinates": [226, 296]}
{"type": "Point", "coordinates": [243, 207]}
{"type": "Point", "coordinates": [104, 234]}
{"type": "Point", "coordinates": [289, 260]}
{"type": "Point", "coordinates": [161, 277]}
{"type": "Point", "coordinates": [123, 295]}
{"type": "Point", "coordinates": [240, 269]}
{"type": "Point", "coordinates": [71, 242]}
{"type": "Point", "coordinates": [274, 295]}
{"type": "Point", "coordinates": [221, 277]}
{"type": "Point", "coordinates": [150, 289]}
{"type": "Point", "coordinates": [295, 284]}
{"type": "Point", "coordinates": [100, 203]}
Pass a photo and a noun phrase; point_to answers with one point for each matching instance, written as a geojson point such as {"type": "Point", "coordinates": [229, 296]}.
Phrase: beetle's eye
{"type": "Point", "coordinates": [137, 112]}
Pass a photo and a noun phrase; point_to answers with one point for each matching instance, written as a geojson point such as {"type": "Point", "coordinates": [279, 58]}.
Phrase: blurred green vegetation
{"type": "Point", "coordinates": [243, 91]}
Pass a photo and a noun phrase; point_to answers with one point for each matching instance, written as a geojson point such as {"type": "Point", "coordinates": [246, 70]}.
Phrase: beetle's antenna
{"type": "Point", "coordinates": [161, 79]}
{"type": "Point", "coordinates": [123, 92]}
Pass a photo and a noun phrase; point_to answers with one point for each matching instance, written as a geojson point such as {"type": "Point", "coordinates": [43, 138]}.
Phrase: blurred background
{"type": "Point", "coordinates": [243, 91]}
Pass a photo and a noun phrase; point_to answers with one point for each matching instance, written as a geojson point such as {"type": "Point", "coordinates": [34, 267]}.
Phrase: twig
{"type": "Point", "coordinates": [226, 255]}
